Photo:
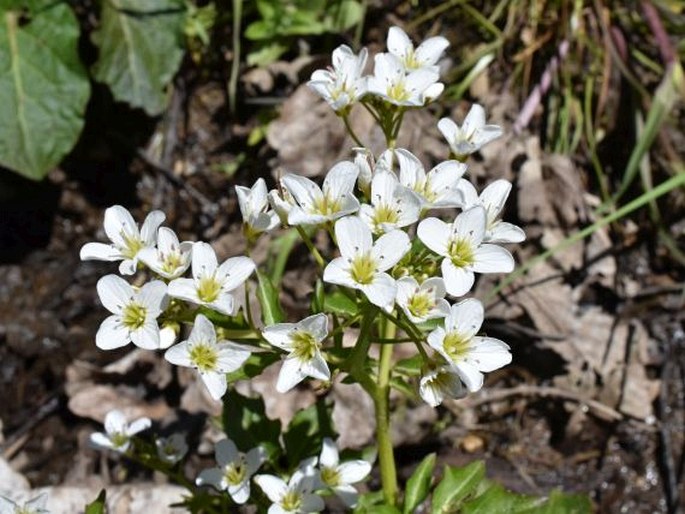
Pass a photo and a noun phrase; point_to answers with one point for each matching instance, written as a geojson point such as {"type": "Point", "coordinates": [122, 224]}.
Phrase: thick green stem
{"type": "Point", "coordinates": [386, 456]}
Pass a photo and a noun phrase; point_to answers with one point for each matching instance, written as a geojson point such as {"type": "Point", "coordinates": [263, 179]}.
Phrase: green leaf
{"type": "Point", "coordinates": [411, 366]}
{"type": "Point", "coordinates": [98, 506]}
{"type": "Point", "coordinates": [382, 509]}
{"type": "Point", "coordinates": [418, 484]}
{"type": "Point", "coordinates": [267, 295]}
{"type": "Point", "coordinates": [141, 47]}
{"type": "Point", "coordinates": [339, 303]}
{"type": "Point", "coordinates": [253, 366]}
{"type": "Point", "coordinates": [305, 433]}
{"type": "Point", "coordinates": [343, 14]}
{"type": "Point", "coordinates": [260, 30]}
{"type": "Point", "coordinates": [265, 54]}
{"type": "Point", "coordinates": [496, 498]}
{"type": "Point", "coordinates": [560, 503]}
{"type": "Point", "coordinates": [456, 484]}
{"type": "Point", "coordinates": [44, 87]}
{"type": "Point", "coordinates": [245, 421]}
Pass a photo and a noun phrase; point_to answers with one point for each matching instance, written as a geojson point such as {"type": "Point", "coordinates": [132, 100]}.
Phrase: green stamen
{"type": "Point", "coordinates": [209, 288]}
{"type": "Point", "coordinates": [119, 440]}
{"type": "Point", "coordinates": [132, 245]}
{"type": "Point", "coordinates": [235, 473]}
{"type": "Point", "coordinates": [384, 214]}
{"type": "Point", "coordinates": [330, 476]}
{"type": "Point", "coordinates": [133, 316]}
{"type": "Point", "coordinates": [460, 251]}
{"type": "Point", "coordinates": [363, 268]}
{"type": "Point", "coordinates": [304, 345]}
{"type": "Point", "coordinates": [420, 304]}
{"type": "Point", "coordinates": [456, 345]}
{"type": "Point", "coordinates": [326, 205]}
{"type": "Point", "coordinates": [398, 92]}
{"type": "Point", "coordinates": [291, 501]}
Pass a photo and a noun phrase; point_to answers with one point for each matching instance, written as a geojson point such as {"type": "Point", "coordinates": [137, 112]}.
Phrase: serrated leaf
{"type": "Point", "coordinates": [304, 436]}
{"type": "Point", "coordinates": [245, 421]}
{"type": "Point", "coordinates": [98, 505]}
{"type": "Point", "coordinates": [456, 484]}
{"type": "Point", "coordinates": [418, 484]}
{"type": "Point", "coordinates": [267, 295]}
{"type": "Point", "coordinates": [43, 86]}
{"type": "Point", "coordinates": [140, 46]}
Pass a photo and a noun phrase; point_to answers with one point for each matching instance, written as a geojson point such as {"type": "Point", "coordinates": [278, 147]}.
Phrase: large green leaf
{"type": "Point", "coordinates": [267, 295]}
{"type": "Point", "coordinates": [418, 484]}
{"type": "Point", "coordinates": [141, 47]}
{"type": "Point", "coordinates": [43, 86]}
{"type": "Point", "coordinates": [456, 484]}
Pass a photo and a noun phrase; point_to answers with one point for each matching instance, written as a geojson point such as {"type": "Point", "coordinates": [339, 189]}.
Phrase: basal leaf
{"type": "Point", "coordinates": [141, 46]}
{"type": "Point", "coordinates": [43, 86]}
{"type": "Point", "coordinates": [418, 484]}
{"type": "Point", "coordinates": [267, 295]}
{"type": "Point", "coordinates": [456, 484]}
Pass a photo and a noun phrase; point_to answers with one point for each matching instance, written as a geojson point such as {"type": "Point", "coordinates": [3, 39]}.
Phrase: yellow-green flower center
{"type": "Point", "coordinates": [291, 501]}
{"type": "Point", "coordinates": [326, 205]}
{"type": "Point", "coordinates": [460, 251]}
{"type": "Point", "coordinates": [133, 315]}
{"type": "Point", "coordinates": [171, 261]}
{"type": "Point", "coordinates": [384, 213]}
{"type": "Point", "coordinates": [235, 473]}
{"type": "Point", "coordinates": [456, 345]}
{"type": "Point", "coordinates": [363, 268]}
{"type": "Point", "coordinates": [304, 345]}
{"type": "Point", "coordinates": [420, 304]}
{"type": "Point", "coordinates": [410, 61]}
{"type": "Point", "coordinates": [330, 476]}
{"type": "Point", "coordinates": [204, 357]}
{"type": "Point", "coordinates": [208, 289]}
{"type": "Point", "coordinates": [132, 245]}
{"type": "Point", "coordinates": [398, 92]}
{"type": "Point", "coordinates": [119, 439]}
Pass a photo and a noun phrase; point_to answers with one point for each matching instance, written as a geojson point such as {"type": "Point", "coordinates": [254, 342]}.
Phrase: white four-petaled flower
{"type": "Point", "coordinates": [127, 239]}
{"type": "Point", "coordinates": [118, 432]}
{"type": "Point", "coordinates": [212, 285]}
{"type": "Point", "coordinates": [425, 56]}
{"type": "Point", "coordinates": [343, 84]}
{"type": "Point", "coordinates": [302, 341]}
{"type": "Point", "coordinates": [438, 188]}
{"type": "Point", "coordinates": [392, 205]}
{"type": "Point", "coordinates": [254, 207]}
{"type": "Point", "coordinates": [234, 470]}
{"type": "Point", "coordinates": [422, 302]}
{"type": "Point", "coordinates": [439, 382]}
{"type": "Point", "coordinates": [134, 313]}
{"type": "Point", "coordinates": [293, 497]}
{"type": "Point", "coordinates": [470, 355]}
{"type": "Point", "coordinates": [314, 205]}
{"type": "Point", "coordinates": [210, 358]}
{"type": "Point", "coordinates": [171, 258]}
{"type": "Point", "coordinates": [493, 199]}
{"type": "Point", "coordinates": [33, 506]}
{"type": "Point", "coordinates": [363, 263]}
{"type": "Point", "coordinates": [391, 82]}
{"type": "Point", "coordinates": [171, 449]}
{"type": "Point", "coordinates": [472, 135]}
{"type": "Point", "coordinates": [461, 246]}
{"type": "Point", "coordinates": [340, 476]}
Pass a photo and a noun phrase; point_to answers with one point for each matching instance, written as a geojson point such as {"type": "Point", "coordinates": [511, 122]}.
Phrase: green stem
{"type": "Point", "coordinates": [355, 363]}
{"type": "Point", "coordinates": [381, 399]}
{"type": "Point", "coordinates": [310, 246]}
{"type": "Point", "coordinates": [351, 132]}
{"type": "Point", "coordinates": [235, 65]}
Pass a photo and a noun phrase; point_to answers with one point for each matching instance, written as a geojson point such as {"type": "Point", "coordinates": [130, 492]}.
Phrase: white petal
{"type": "Point", "coordinates": [475, 119]}
{"type": "Point", "coordinates": [304, 191]}
{"type": "Point", "coordinates": [435, 286]}
{"type": "Point", "coordinates": [118, 220]}
{"type": "Point", "coordinates": [492, 259]}
{"type": "Point", "coordinates": [381, 291]}
{"type": "Point", "coordinates": [114, 292]}
{"type": "Point", "coordinates": [434, 233]}
{"type": "Point", "coordinates": [185, 289]}
{"type": "Point", "coordinates": [38, 503]}
{"type": "Point", "coordinates": [148, 232]}
{"type": "Point", "coordinates": [226, 452]}
{"type": "Point", "coordinates": [299, 216]}
{"type": "Point", "coordinates": [203, 259]}
{"type": "Point", "coordinates": [348, 494]}
{"type": "Point", "coordinates": [329, 454]}
{"type": "Point", "coordinates": [254, 459]}
{"type": "Point", "coordinates": [243, 194]}
{"type": "Point", "coordinates": [354, 471]}
{"type": "Point", "coordinates": [486, 134]}
{"type": "Point", "coordinates": [353, 236]}
{"type": "Point", "coordinates": [489, 354]}
{"type": "Point", "coordinates": [399, 43]}
{"type": "Point", "coordinates": [430, 51]}
{"type": "Point", "coordinates": [436, 338]}
{"type": "Point", "coordinates": [231, 356]}
{"type": "Point", "coordinates": [458, 281]}
{"type": "Point", "coordinates": [472, 378]}
{"type": "Point", "coordinates": [203, 331]}
{"type": "Point", "coordinates": [390, 248]}
{"type": "Point", "coordinates": [316, 325]}
{"type": "Point", "coordinates": [430, 394]}
{"type": "Point", "coordinates": [115, 422]}
{"type": "Point", "coordinates": [279, 335]}
{"type": "Point", "coordinates": [340, 180]}
{"type": "Point", "coordinates": [316, 368]}
{"type": "Point", "coordinates": [215, 383]}
{"type": "Point", "coordinates": [236, 271]}
{"type": "Point", "coordinates": [495, 196]}
{"type": "Point", "coordinates": [97, 439]}
{"type": "Point", "coordinates": [153, 296]}
{"type": "Point", "coordinates": [418, 80]}
{"type": "Point", "coordinates": [338, 272]}
{"type": "Point", "coordinates": [99, 252]}
{"type": "Point", "coordinates": [312, 503]}
{"type": "Point", "coordinates": [504, 232]}
{"type": "Point", "coordinates": [470, 224]}
{"type": "Point", "coordinates": [290, 375]}
{"type": "Point", "coordinates": [449, 130]}
{"type": "Point", "coordinates": [387, 69]}
{"type": "Point", "coordinates": [406, 288]}
{"type": "Point", "coordinates": [240, 492]}
{"type": "Point", "coordinates": [277, 509]}
{"type": "Point", "coordinates": [411, 169]}
{"type": "Point", "coordinates": [444, 182]}
{"type": "Point", "coordinates": [179, 355]}
{"type": "Point", "coordinates": [128, 266]}
{"type": "Point", "coordinates": [273, 487]}
{"type": "Point", "coordinates": [466, 317]}
{"type": "Point", "coordinates": [225, 304]}
{"type": "Point", "coordinates": [407, 204]}
{"type": "Point", "coordinates": [212, 476]}
{"type": "Point", "coordinates": [147, 336]}
{"type": "Point", "coordinates": [139, 425]}
{"type": "Point", "coordinates": [383, 187]}
{"type": "Point", "coordinates": [112, 334]}
{"type": "Point", "coordinates": [469, 192]}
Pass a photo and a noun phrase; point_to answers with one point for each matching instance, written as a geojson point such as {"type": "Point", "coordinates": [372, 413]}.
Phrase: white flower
{"type": "Point", "coordinates": [314, 205]}
{"type": "Point", "coordinates": [468, 354]}
{"type": "Point", "coordinates": [281, 202]}
{"type": "Point", "coordinates": [171, 449]}
{"type": "Point", "coordinates": [33, 506]}
{"type": "Point", "coordinates": [363, 159]}
{"type": "Point", "coordinates": [134, 313]}
{"type": "Point", "coordinates": [118, 432]}
{"type": "Point", "coordinates": [460, 245]}
{"type": "Point", "coordinates": [170, 259]}
{"type": "Point", "coordinates": [438, 188]}
{"type": "Point", "coordinates": [392, 205]}
{"type": "Point", "coordinates": [425, 56]}
{"type": "Point", "coordinates": [212, 284]}
{"type": "Point", "coordinates": [362, 264]}
{"type": "Point", "coordinates": [234, 471]}
{"type": "Point", "coordinates": [340, 476]}
{"type": "Point", "coordinates": [302, 341]}
{"type": "Point", "coordinates": [254, 206]}
{"type": "Point", "coordinates": [440, 382]}
{"type": "Point", "coordinates": [343, 84]}
{"type": "Point", "coordinates": [422, 302]}
{"type": "Point", "coordinates": [493, 199]}
{"type": "Point", "coordinates": [473, 134]}
{"type": "Point", "coordinates": [293, 497]}
{"type": "Point", "coordinates": [212, 359]}
{"type": "Point", "coordinates": [390, 82]}
{"type": "Point", "coordinates": [126, 239]}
